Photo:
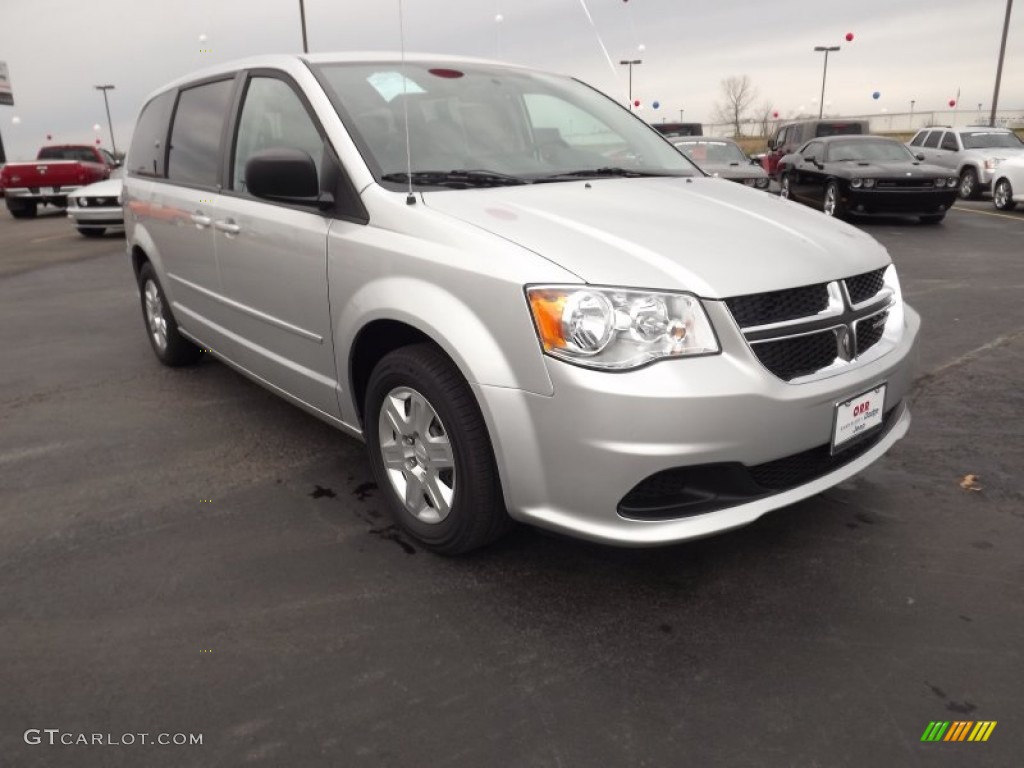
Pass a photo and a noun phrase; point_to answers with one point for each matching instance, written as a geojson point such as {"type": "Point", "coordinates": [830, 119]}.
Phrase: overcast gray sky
{"type": "Point", "coordinates": [57, 50]}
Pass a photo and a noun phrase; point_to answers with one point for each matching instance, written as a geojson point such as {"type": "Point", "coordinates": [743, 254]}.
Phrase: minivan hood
{"type": "Point", "coordinates": [709, 236]}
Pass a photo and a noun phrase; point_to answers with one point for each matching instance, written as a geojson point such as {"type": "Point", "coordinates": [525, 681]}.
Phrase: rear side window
{"type": "Point", "coordinates": [196, 132]}
{"type": "Point", "coordinates": [933, 139]}
{"type": "Point", "coordinates": [949, 141]}
{"type": "Point", "coordinates": [146, 155]}
{"type": "Point", "coordinates": [837, 129]}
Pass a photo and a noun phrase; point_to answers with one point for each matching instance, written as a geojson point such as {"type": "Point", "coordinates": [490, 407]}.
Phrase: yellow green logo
{"type": "Point", "coordinates": [958, 730]}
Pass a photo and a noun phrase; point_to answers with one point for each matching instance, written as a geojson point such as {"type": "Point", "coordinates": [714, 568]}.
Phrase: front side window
{"type": "Point", "coordinates": [933, 139]}
{"type": "Point", "coordinates": [195, 133]}
{"type": "Point", "coordinates": [919, 139]}
{"type": "Point", "coordinates": [272, 117]}
{"type": "Point", "coordinates": [812, 152]}
{"type": "Point", "coordinates": [524, 125]}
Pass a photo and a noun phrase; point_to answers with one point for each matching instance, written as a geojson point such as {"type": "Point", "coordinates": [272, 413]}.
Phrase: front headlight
{"type": "Point", "coordinates": [940, 182]}
{"type": "Point", "coordinates": [856, 183]}
{"type": "Point", "coordinates": [951, 182]}
{"type": "Point", "coordinates": [618, 328]}
{"type": "Point", "coordinates": [83, 202]}
{"type": "Point", "coordinates": [748, 182]}
{"type": "Point", "coordinates": [992, 163]}
{"type": "Point", "coordinates": [869, 183]}
{"type": "Point", "coordinates": [762, 183]}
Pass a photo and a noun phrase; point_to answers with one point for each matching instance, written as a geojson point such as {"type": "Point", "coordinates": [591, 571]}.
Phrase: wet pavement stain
{"type": "Point", "coordinates": [961, 709]}
{"type": "Point", "coordinates": [865, 518]}
{"type": "Point", "coordinates": [666, 628]}
{"type": "Point", "coordinates": [966, 618]}
{"type": "Point", "coordinates": [364, 491]}
{"type": "Point", "coordinates": [392, 533]}
{"type": "Point", "coordinates": [982, 544]}
{"type": "Point", "coordinates": [320, 492]}
{"type": "Point", "coordinates": [936, 690]}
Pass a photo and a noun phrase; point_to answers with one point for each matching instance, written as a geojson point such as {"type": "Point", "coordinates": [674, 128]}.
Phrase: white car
{"type": "Point", "coordinates": [97, 207]}
{"type": "Point", "coordinates": [1008, 186]}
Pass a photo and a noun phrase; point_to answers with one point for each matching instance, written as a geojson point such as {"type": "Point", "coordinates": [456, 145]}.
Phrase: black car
{"type": "Point", "coordinates": [863, 175]}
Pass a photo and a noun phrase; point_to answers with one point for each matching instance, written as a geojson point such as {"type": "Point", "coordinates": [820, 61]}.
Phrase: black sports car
{"type": "Point", "coordinates": [862, 175]}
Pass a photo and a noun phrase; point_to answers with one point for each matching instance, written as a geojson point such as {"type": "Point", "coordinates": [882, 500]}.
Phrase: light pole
{"type": "Point", "coordinates": [629, 63]}
{"type": "Point", "coordinates": [826, 49]}
{"type": "Point", "coordinates": [999, 67]}
{"type": "Point", "coordinates": [302, 17]}
{"type": "Point", "coordinates": [912, 103]}
{"type": "Point", "coordinates": [110, 123]}
{"type": "Point", "coordinates": [681, 115]}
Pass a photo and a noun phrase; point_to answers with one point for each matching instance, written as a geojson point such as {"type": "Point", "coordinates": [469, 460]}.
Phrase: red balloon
{"type": "Point", "coordinates": [636, 103]}
{"type": "Point", "coordinates": [775, 114]}
{"type": "Point", "coordinates": [97, 141]}
{"type": "Point", "coordinates": [49, 137]}
{"type": "Point", "coordinates": [952, 102]}
{"type": "Point", "coordinates": [849, 37]}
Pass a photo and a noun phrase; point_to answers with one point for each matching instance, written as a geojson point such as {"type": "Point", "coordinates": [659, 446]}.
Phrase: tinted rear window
{"type": "Point", "coordinates": [837, 129]}
{"type": "Point", "coordinates": [80, 154]}
{"type": "Point", "coordinates": [195, 134]}
{"type": "Point", "coordinates": [146, 155]}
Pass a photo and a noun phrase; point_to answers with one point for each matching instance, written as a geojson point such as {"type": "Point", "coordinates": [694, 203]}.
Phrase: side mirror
{"type": "Point", "coordinates": [285, 175]}
{"type": "Point", "coordinates": [919, 155]}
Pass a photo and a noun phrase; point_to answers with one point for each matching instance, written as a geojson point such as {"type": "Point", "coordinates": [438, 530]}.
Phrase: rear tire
{"type": "Point", "coordinates": [431, 454]}
{"type": "Point", "coordinates": [969, 185]}
{"type": "Point", "coordinates": [170, 347]}
{"type": "Point", "coordinates": [784, 190]}
{"type": "Point", "coordinates": [933, 218]}
{"type": "Point", "coordinates": [1002, 195]}
{"type": "Point", "coordinates": [22, 209]}
{"type": "Point", "coordinates": [91, 231]}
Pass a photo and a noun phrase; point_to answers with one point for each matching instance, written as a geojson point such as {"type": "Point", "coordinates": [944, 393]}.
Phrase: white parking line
{"type": "Point", "coordinates": [987, 213]}
{"type": "Point", "coordinates": [51, 237]}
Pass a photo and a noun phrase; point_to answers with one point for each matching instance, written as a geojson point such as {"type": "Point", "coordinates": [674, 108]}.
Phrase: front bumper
{"type": "Point", "coordinates": [901, 201]}
{"type": "Point", "coordinates": [566, 461]}
{"type": "Point", "coordinates": [106, 216]}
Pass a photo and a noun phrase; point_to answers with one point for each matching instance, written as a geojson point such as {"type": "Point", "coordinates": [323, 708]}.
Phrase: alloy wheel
{"type": "Point", "coordinates": [417, 454]}
{"type": "Point", "coordinates": [155, 320]}
{"type": "Point", "coordinates": [830, 200]}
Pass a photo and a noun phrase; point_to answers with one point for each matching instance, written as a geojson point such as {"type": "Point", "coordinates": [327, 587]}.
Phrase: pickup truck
{"type": "Point", "coordinates": [57, 172]}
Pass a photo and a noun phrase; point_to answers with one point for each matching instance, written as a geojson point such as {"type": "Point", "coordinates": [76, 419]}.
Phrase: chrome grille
{"type": "Point", "coordinates": [778, 306]}
{"type": "Point", "coordinates": [799, 331]}
{"type": "Point", "coordinates": [863, 287]}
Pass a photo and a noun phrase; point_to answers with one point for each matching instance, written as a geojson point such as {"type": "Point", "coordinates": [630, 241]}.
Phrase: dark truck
{"type": "Point", "coordinates": [789, 136]}
{"type": "Point", "coordinates": [57, 172]}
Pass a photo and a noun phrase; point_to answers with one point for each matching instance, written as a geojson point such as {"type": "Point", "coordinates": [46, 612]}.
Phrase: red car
{"type": "Point", "coordinates": [57, 172]}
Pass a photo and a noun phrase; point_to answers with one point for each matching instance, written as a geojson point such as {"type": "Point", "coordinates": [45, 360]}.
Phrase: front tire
{"type": "Point", "coordinates": [969, 185]}
{"type": "Point", "coordinates": [430, 452]}
{"type": "Point", "coordinates": [784, 187]}
{"type": "Point", "coordinates": [1002, 195]}
{"type": "Point", "coordinates": [170, 347]}
{"type": "Point", "coordinates": [832, 205]}
{"type": "Point", "coordinates": [933, 218]}
{"type": "Point", "coordinates": [91, 231]}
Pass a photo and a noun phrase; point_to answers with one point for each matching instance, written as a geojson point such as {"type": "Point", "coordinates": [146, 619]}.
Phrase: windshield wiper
{"type": "Point", "coordinates": [461, 179]}
{"type": "Point", "coordinates": [587, 173]}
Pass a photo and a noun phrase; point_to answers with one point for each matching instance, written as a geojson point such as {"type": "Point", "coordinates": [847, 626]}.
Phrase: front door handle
{"type": "Point", "coordinates": [201, 220]}
{"type": "Point", "coordinates": [228, 226]}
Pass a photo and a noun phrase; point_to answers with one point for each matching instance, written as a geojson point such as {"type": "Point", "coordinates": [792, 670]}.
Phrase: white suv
{"type": "Point", "coordinates": [524, 299]}
{"type": "Point", "coordinates": [973, 152]}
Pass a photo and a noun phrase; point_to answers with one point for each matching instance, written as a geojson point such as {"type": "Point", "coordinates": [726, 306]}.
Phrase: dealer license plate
{"type": "Point", "coordinates": [856, 417]}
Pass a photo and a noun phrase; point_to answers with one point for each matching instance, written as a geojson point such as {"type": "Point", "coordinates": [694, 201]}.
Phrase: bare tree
{"type": "Point", "coordinates": [763, 115]}
{"type": "Point", "coordinates": [738, 95]}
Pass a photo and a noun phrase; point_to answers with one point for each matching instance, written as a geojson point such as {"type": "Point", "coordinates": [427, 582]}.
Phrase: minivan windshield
{"type": "Point", "coordinates": [705, 152]}
{"type": "Point", "coordinates": [988, 139]}
{"type": "Point", "coordinates": [482, 125]}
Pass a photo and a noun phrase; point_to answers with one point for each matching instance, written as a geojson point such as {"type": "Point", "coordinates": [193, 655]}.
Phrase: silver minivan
{"type": "Point", "coordinates": [525, 301]}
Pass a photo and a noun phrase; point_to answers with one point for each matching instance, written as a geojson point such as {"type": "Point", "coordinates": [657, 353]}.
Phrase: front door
{"type": "Point", "coordinates": [273, 256]}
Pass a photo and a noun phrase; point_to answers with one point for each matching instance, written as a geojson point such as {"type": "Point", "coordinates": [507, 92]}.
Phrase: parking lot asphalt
{"type": "Point", "coordinates": [181, 551]}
